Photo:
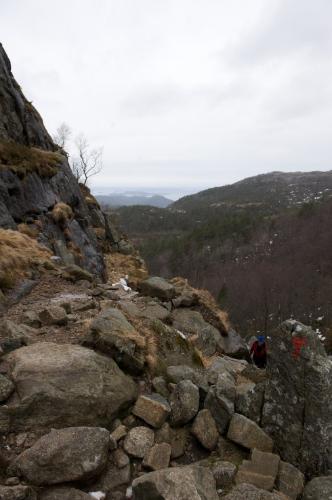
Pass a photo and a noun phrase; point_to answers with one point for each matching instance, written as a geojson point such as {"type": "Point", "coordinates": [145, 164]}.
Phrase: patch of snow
{"type": "Point", "coordinates": [320, 318]}
{"type": "Point", "coordinates": [298, 328]}
{"type": "Point", "coordinates": [122, 283]}
{"type": "Point", "coordinates": [129, 492]}
{"type": "Point", "coordinates": [182, 335]}
{"type": "Point", "coordinates": [98, 495]}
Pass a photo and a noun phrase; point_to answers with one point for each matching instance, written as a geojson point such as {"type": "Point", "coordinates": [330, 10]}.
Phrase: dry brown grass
{"type": "Point", "coordinates": [18, 254]}
{"type": "Point", "coordinates": [89, 198]}
{"type": "Point", "coordinates": [146, 339]}
{"type": "Point", "coordinates": [23, 160]}
{"type": "Point", "coordinates": [62, 213]}
{"type": "Point", "coordinates": [207, 302]}
{"type": "Point", "coordinates": [28, 229]}
{"type": "Point", "coordinates": [207, 305]}
{"type": "Point", "coordinates": [119, 265]}
{"type": "Point", "coordinates": [100, 232]}
{"type": "Point", "coordinates": [75, 250]}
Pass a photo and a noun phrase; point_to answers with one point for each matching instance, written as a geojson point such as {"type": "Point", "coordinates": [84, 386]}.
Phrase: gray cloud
{"type": "Point", "coordinates": [189, 93]}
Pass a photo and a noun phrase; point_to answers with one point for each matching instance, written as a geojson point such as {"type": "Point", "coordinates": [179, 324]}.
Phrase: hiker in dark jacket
{"type": "Point", "coordinates": [258, 352]}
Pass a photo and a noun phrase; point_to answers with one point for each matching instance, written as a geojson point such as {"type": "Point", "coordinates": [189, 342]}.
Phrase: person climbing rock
{"type": "Point", "coordinates": [258, 352]}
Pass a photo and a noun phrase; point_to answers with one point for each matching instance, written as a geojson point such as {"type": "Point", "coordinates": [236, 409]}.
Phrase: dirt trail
{"type": "Point", "coordinates": [50, 291]}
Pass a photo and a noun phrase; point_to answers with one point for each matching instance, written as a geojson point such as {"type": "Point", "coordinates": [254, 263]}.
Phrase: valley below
{"type": "Point", "coordinates": [260, 246]}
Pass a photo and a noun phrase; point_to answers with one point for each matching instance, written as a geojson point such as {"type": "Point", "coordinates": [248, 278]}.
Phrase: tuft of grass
{"type": "Point", "coordinates": [99, 232]}
{"type": "Point", "coordinates": [23, 160]}
{"type": "Point", "coordinates": [28, 229]}
{"type": "Point", "coordinates": [207, 305]}
{"type": "Point", "coordinates": [18, 255]}
{"type": "Point", "coordinates": [147, 341]}
{"type": "Point", "coordinates": [89, 198]}
{"type": "Point", "coordinates": [62, 213]}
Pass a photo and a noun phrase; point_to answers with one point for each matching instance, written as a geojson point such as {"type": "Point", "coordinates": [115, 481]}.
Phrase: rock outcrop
{"type": "Point", "coordinates": [185, 483]}
{"type": "Point", "coordinates": [63, 385]}
{"type": "Point", "coordinates": [297, 410]}
{"type": "Point", "coordinates": [35, 178]}
{"type": "Point", "coordinates": [19, 121]}
{"type": "Point", "coordinates": [65, 455]}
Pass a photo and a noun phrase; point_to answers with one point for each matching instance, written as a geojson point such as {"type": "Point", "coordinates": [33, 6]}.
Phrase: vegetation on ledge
{"type": "Point", "coordinates": [23, 160]}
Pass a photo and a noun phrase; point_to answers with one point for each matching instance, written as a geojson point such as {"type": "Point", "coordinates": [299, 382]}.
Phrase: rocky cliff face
{"type": "Point", "coordinates": [19, 121]}
{"type": "Point", "coordinates": [297, 409]}
{"type": "Point", "coordinates": [34, 179]}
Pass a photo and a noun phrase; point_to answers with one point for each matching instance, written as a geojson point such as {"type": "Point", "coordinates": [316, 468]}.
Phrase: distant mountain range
{"type": "Point", "coordinates": [274, 191]}
{"type": "Point", "coordinates": [130, 199]}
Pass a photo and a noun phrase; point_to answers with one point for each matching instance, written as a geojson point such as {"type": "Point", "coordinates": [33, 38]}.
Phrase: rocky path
{"type": "Point", "coordinates": [116, 394]}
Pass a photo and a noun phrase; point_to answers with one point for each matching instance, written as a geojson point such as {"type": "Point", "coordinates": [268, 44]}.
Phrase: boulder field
{"type": "Point", "coordinates": [98, 418]}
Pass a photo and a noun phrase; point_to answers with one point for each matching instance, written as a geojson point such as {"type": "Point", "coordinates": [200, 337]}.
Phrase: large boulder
{"type": "Point", "coordinates": [246, 433]}
{"type": "Point", "coordinates": [173, 348]}
{"type": "Point", "coordinates": [192, 324]}
{"type": "Point", "coordinates": [63, 493]}
{"type": "Point", "coordinates": [158, 456]}
{"type": "Point", "coordinates": [184, 402]}
{"type": "Point", "coordinates": [53, 315]}
{"type": "Point", "coordinates": [111, 333]}
{"type": "Point", "coordinates": [234, 345]}
{"type": "Point", "coordinates": [249, 400]}
{"type": "Point", "coordinates": [176, 437]}
{"type": "Point", "coordinates": [64, 385]}
{"type": "Point", "coordinates": [181, 483]}
{"type": "Point", "coordinates": [153, 409]}
{"type": "Point", "coordinates": [246, 491]}
{"type": "Point", "coordinates": [223, 472]}
{"type": "Point", "coordinates": [157, 287]}
{"type": "Point", "coordinates": [72, 454]}
{"type": "Point", "coordinates": [225, 364]}
{"type": "Point", "coordinates": [205, 430]}
{"type": "Point", "coordinates": [138, 441]}
{"type": "Point", "coordinates": [261, 470]}
{"type": "Point", "coordinates": [318, 488]}
{"type": "Point", "coordinates": [297, 411]}
{"type": "Point", "coordinates": [220, 400]}
{"type": "Point", "coordinates": [110, 480]}
{"type": "Point", "coordinates": [18, 493]}
{"type": "Point", "coordinates": [290, 480]}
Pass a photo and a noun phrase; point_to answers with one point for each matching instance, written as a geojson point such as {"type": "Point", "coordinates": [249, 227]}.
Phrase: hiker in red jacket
{"type": "Point", "coordinates": [258, 352]}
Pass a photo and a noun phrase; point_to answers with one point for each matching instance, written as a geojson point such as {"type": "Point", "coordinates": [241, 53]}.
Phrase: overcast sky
{"type": "Point", "coordinates": [182, 94]}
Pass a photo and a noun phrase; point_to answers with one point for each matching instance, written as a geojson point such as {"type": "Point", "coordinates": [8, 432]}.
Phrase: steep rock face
{"type": "Point", "coordinates": [19, 121]}
{"type": "Point", "coordinates": [32, 200]}
{"type": "Point", "coordinates": [34, 177]}
{"type": "Point", "coordinates": [297, 411]}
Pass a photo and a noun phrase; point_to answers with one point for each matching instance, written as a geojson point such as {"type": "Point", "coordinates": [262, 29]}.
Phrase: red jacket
{"type": "Point", "coordinates": [259, 350]}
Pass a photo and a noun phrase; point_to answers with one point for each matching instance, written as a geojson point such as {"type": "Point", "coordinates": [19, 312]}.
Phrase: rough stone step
{"type": "Point", "coordinates": [261, 470]}
{"type": "Point", "coordinates": [247, 433]}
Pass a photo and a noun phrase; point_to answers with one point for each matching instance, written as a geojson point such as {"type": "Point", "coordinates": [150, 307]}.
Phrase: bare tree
{"type": "Point", "coordinates": [62, 135]}
{"type": "Point", "coordinates": [88, 162]}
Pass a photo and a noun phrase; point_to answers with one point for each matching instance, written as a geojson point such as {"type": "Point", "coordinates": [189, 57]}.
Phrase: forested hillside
{"type": "Point", "coordinates": [255, 245]}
